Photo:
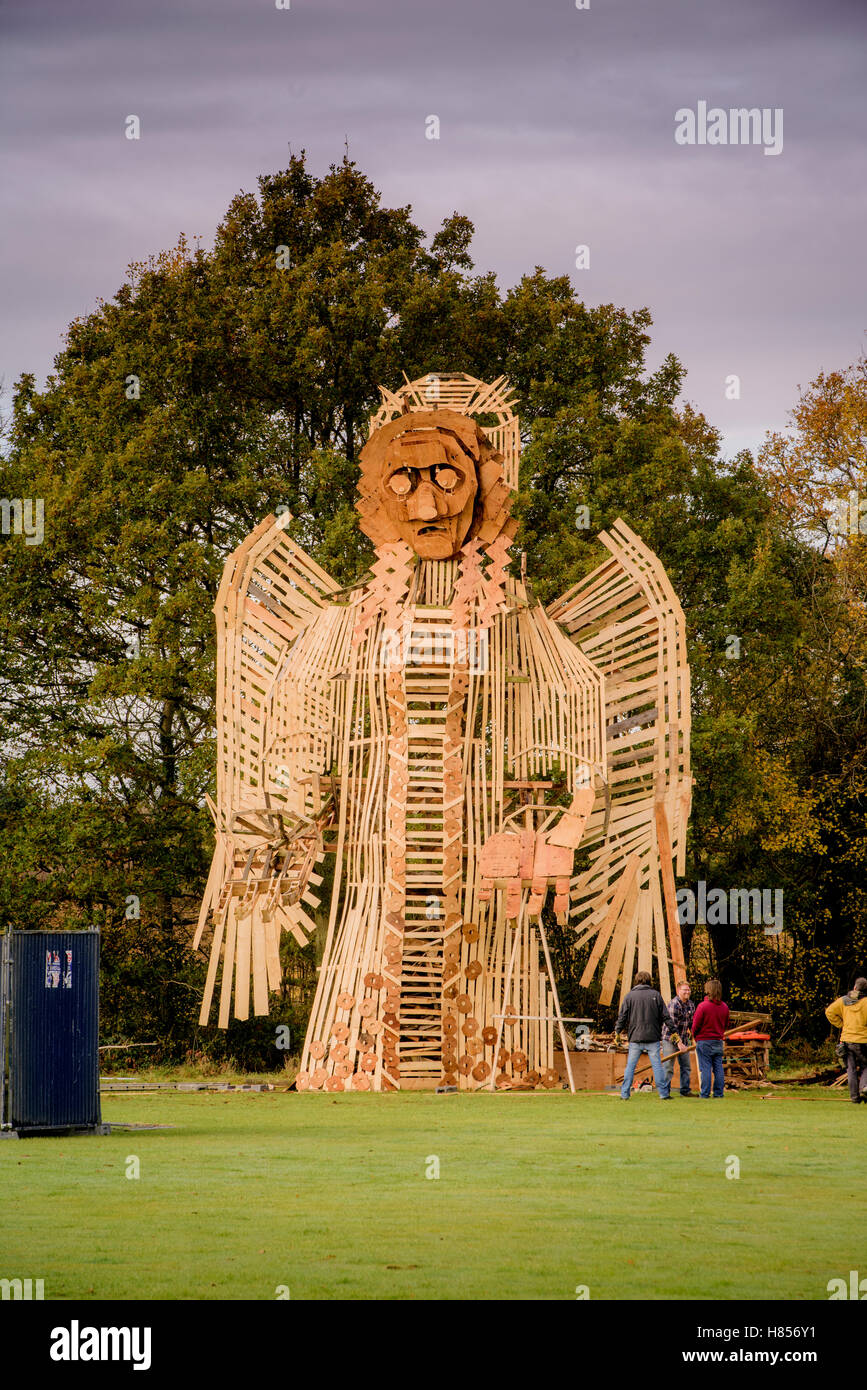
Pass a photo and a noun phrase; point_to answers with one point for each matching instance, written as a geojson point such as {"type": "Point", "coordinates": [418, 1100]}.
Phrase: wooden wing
{"type": "Point", "coordinates": [625, 617]}
{"type": "Point", "coordinates": [266, 838]}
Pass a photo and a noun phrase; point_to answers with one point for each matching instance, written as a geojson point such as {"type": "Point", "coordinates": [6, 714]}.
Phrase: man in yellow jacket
{"type": "Point", "coordinates": [849, 1014]}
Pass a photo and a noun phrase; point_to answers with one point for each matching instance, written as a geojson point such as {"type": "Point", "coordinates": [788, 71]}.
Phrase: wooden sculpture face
{"type": "Point", "coordinates": [428, 489]}
{"type": "Point", "coordinates": [433, 480]}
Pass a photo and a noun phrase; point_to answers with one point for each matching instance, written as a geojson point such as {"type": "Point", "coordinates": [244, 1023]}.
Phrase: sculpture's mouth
{"type": "Point", "coordinates": [433, 528]}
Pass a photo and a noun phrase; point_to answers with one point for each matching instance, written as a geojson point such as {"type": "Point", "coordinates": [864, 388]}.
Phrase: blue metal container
{"type": "Point", "coordinates": [52, 1024]}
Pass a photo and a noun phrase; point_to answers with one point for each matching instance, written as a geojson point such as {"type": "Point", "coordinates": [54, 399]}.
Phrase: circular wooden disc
{"type": "Point", "coordinates": [317, 1049]}
{"type": "Point", "coordinates": [465, 1066]}
{"type": "Point", "coordinates": [343, 1069]}
{"type": "Point", "coordinates": [340, 1052]}
{"type": "Point", "coordinates": [368, 1062]}
{"type": "Point", "coordinates": [366, 1008]}
{"type": "Point", "coordinates": [390, 1020]}
{"type": "Point", "coordinates": [334, 1083]}
{"type": "Point", "coordinates": [345, 1001]}
{"type": "Point", "coordinates": [470, 931]}
{"type": "Point", "coordinates": [533, 1077]}
{"type": "Point", "coordinates": [481, 1071]}
{"type": "Point", "coordinates": [318, 1078]}
{"type": "Point", "coordinates": [449, 1079]}
{"type": "Point", "coordinates": [550, 1078]}
{"type": "Point", "coordinates": [519, 1061]}
{"type": "Point", "coordinates": [450, 992]}
{"type": "Point", "coordinates": [449, 1058]}
{"type": "Point", "coordinates": [509, 1020]}
{"type": "Point", "coordinates": [463, 1004]}
{"type": "Point", "coordinates": [360, 1082]}
{"type": "Point", "coordinates": [373, 981]}
{"type": "Point", "coordinates": [489, 1035]}
{"type": "Point", "coordinates": [474, 1046]}
{"type": "Point", "coordinates": [339, 1032]}
{"type": "Point", "coordinates": [469, 1027]}
{"type": "Point", "coordinates": [374, 1026]}
{"type": "Point", "coordinates": [503, 1057]}
{"type": "Point", "coordinates": [393, 955]}
{"type": "Point", "coordinates": [503, 1082]}
{"type": "Point", "coordinates": [473, 970]}
{"type": "Point", "coordinates": [450, 1025]}
{"type": "Point", "coordinates": [302, 1081]}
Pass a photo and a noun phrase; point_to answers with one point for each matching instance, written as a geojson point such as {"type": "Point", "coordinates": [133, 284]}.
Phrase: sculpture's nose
{"type": "Point", "coordinates": [425, 503]}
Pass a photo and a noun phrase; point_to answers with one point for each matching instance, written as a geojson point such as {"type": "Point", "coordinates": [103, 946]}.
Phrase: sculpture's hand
{"type": "Point", "coordinates": [506, 860]}
{"type": "Point", "coordinates": [516, 859]}
{"type": "Point", "coordinates": [555, 855]}
{"type": "Point", "coordinates": [274, 854]}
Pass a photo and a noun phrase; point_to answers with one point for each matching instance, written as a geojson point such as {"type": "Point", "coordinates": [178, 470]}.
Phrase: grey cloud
{"type": "Point", "coordinates": [557, 128]}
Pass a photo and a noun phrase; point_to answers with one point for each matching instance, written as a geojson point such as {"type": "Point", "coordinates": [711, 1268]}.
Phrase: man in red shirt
{"type": "Point", "coordinates": [708, 1029]}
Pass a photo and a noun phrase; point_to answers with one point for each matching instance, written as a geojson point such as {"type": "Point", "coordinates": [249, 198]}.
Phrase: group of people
{"type": "Point", "coordinates": [651, 1026]}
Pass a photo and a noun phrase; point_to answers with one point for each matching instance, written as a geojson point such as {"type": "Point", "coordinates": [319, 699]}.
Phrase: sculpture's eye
{"type": "Point", "coordinates": [447, 479]}
{"type": "Point", "coordinates": [400, 482]}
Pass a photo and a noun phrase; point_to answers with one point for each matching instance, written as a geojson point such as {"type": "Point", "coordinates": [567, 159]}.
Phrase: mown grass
{"type": "Point", "coordinates": [537, 1194]}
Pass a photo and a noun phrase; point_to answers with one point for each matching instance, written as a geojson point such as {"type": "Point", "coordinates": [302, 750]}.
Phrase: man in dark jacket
{"type": "Point", "coordinates": [642, 1017]}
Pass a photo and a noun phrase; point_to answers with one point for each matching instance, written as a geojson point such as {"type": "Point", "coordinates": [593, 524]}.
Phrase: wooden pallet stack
{"type": "Point", "coordinates": [747, 1055]}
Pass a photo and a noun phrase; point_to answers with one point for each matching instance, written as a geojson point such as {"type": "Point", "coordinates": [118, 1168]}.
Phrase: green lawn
{"type": "Point", "coordinates": [537, 1194]}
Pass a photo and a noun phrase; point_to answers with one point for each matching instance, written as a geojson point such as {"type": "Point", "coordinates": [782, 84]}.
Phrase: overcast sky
{"type": "Point", "coordinates": [557, 128]}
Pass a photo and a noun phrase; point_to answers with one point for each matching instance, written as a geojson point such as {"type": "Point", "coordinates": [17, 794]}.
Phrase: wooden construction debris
{"type": "Point", "coordinates": [454, 744]}
{"type": "Point", "coordinates": [747, 1055]}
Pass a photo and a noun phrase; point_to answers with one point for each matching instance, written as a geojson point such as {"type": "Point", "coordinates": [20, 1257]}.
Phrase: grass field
{"type": "Point", "coordinates": [536, 1195]}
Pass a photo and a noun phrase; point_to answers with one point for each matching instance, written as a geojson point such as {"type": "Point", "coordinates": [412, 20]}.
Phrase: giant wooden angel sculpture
{"type": "Point", "coordinates": [461, 751]}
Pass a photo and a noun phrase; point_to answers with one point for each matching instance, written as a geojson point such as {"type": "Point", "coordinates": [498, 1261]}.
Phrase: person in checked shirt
{"type": "Point", "coordinates": [681, 1009]}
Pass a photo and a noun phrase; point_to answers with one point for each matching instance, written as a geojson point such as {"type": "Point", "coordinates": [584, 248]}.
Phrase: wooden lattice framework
{"type": "Point", "coordinates": [452, 743]}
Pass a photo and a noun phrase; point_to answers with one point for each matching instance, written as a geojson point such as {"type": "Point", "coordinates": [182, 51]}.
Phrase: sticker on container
{"type": "Point", "coordinates": [67, 974]}
{"type": "Point", "coordinates": [52, 969]}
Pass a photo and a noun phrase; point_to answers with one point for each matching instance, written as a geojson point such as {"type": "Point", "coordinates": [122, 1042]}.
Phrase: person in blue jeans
{"type": "Point", "coordinates": [642, 1017]}
{"type": "Point", "coordinates": [681, 1009]}
{"type": "Point", "coordinates": [708, 1029]}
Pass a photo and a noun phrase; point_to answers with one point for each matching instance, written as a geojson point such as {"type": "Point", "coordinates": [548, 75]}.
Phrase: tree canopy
{"type": "Point", "coordinates": [218, 385]}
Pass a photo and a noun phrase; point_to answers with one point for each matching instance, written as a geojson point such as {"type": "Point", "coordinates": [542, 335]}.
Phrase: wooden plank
{"type": "Point", "coordinates": [623, 886]}
{"type": "Point", "coordinates": [629, 954]}
{"type": "Point", "coordinates": [625, 927]}
{"type": "Point", "coordinates": [213, 963]}
{"type": "Point", "coordinates": [228, 967]}
{"type": "Point", "coordinates": [260, 969]}
{"type": "Point", "coordinates": [242, 965]}
{"type": "Point", "coordinates": [665, 857]}
{"type": "Point", "coordinates": [645, 931]}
